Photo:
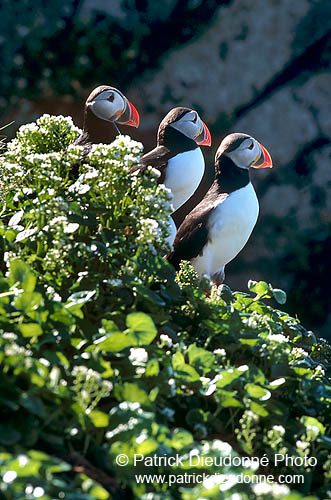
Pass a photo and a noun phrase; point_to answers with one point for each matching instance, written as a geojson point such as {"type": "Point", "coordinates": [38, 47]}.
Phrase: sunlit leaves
{"type": "Point", "coordinates": [184, 370]}
{"type": "Point", "coordinates": [200, 358]}
{"type": "Point", "coordinates": [262, 289]}
{"type": "Point", "coordinates": [257, 392]}
{"type": "Point", "coordinates": [141, 328]}
{"type": "Point", "coordinates": [30, 329]}
{"type": "Point", "coordinates": [98, 418]}
{"type": "Point", "coordinates": [141, 331]}
{"type": "Point", "coordinates": [133, 393]}
{"type": "Point", "coordinates": [20, 274]}
{"type": "Point", "coordinates": [114, 343]}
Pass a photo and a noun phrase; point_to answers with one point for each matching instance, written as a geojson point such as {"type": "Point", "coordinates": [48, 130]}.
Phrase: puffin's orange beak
{"type": "Point", "coordinates": [134, 116]}
{"type": "Point", "coordinates": [206, 136]}
{"type": "Point", "coordinates": [267, 161]}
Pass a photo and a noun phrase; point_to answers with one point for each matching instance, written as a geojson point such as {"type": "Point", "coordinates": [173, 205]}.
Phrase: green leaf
{"type": "Point", "coordinates": [200, 358]}
{"type": "Point", "coordinates": [226, 377]}
{"type": "Point", "coordinates": [28, 301]}
{"type": "Point", "coordinates": [178, 360]}
{"type": "Point", "coordinates": [279, 295]}
{"type": "Point", "coordinates": [303, 372]}
{"type": "Point", "coordinates": [258, 409]}
{"type": "Point", "coordinates": [154, 393]}
{"type": "Point", "coordinates": [20, 272]}
{"type": "Point", "coordinates": [115, 343]}
{"type": "Point", "coordinates": [30, 329]}
{"type": "Point", "coordinates": [10, 235]}
{"type": "Point", "coordinates": [260, 288]}
{"type": "Point", "coordinates": [61, 315]}
{"type": "Point", "coordinates": [98, 493]}
{"type": "Point", "coordinates": [181, 438]}
{"type": "Point", "coordinates": [142, 330]}
{"type": "Point", "coordinates": [313, 422]}
{"type": "Point", "coordinates": [297, 496]}
{"type": "Point", "coordinates": [109, 326]}
{"type": "Point", "coordinates": [152, 368]}
{"type": "Point", "coordinates": [250, 342]}
{"type": "Point", "coordinates": [76, 301]}
{"type": "Point", "coordinates": [148, 294]}
{"type": "Point", "coordinates": [187, 373]}
{"type": "Point", "coordinates": [147, 446]}
{"type": "Point", "coordinates": [133, 393]}
{"type": "Point", "coordinates": [227, 399]}
{"type": "Point", "coordinates": [225, 293]}
{"type": "Point", "coordinates": [99, 418]}
{"type": "Point", "coordinates": [183, 370]}
{"type": "Point", "coordinates": [257, 392]}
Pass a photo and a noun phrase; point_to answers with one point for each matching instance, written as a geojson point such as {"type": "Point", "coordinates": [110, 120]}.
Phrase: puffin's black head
{"type": "Point", "coordinates": [244, 151]}
{"type": "Point", "coordinates": [111, 105]}
{"type": "Point", "coordinates": [183, 125]}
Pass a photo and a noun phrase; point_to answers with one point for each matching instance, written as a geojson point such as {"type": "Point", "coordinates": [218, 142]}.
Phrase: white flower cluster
{"type": "Point", "coordinates": [124, 142]}
{"type": "Point", "coordinates": [138, 357]}
{"type": "Point", "coordinates": [278, 337]}
{"type": "Point", "coordinates": [65, 121]}
{"type": "Point", "coordinates": [89, 387]}
{"type": "Point", "coordinates": [79, 187]}
{"type": "Point", "coordinates": [279, 429]}
{"type": "Point", "coordinates": [91, 173]}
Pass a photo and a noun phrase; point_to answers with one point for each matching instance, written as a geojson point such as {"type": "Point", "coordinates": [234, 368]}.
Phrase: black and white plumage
{"type": "Point", "coordinates": [178, 156]}
{"type": "Point", "coordinates": [220, 225]}
{"type": "Point", "coordinates": [112, 107]}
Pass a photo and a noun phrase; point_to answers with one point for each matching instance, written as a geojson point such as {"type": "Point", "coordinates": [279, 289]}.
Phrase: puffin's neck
{"type": "Point", "coordinates": [228, 176]}
{"type": "Point", "coordinates": [96, 130]}
{"type": "Point", "coordinates": [175, 141]}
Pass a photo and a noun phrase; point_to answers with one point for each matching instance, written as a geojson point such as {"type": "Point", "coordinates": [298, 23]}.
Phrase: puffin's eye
{"type": "Point", "coordinates": [195, 119]}
{"type": "Point", "coordinates": [251, 146]}
{"type": "Point", "coordinates": [111, 98]}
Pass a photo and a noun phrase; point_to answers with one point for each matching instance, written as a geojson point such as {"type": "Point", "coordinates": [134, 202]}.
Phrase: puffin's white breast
{"type": "Point", "coordinates": [172, 232]}
{"type": "Point", "coordinates": [183, 175]}
{"type": "Point", "coordinates": [229, 227]}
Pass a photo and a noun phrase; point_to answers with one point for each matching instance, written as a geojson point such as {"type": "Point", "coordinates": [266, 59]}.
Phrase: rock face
{"type": "Point", "coordinates": [262, 68]}
{"type": "Point", "coordinates": [256, 67]}
{"type": "Point", "coordinates": [246, 45]}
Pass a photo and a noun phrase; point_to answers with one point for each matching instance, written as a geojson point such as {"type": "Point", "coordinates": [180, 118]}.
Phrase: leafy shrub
{"type": "Point", "coordinates": [105, 352]}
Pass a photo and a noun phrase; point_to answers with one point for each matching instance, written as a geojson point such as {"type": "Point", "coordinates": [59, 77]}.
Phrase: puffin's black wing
{"type": "Point", "coordinates": [192, 234]}
{"type": "Point", "coordinates": [157, 158]}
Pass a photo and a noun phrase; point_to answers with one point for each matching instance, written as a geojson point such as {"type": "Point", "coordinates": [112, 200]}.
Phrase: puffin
{"type": "Point", "coordinates": [218, 228]}
{"type": "Point", "coordinates": [178, 156]}
{"type": "Point", "coordinates": [110, 105]}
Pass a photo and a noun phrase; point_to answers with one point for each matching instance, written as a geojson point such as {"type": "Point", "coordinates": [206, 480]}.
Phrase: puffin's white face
{"type": "Point", "coordinates": [247, 153]}
{"type": "Point", "coordinates": [108, 105]}
{"type": "Point", "coordinates": [193, 127]}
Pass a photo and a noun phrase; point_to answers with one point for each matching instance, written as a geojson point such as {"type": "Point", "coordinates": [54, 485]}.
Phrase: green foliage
{"type": "Point", "coordinates": [105, 352]}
